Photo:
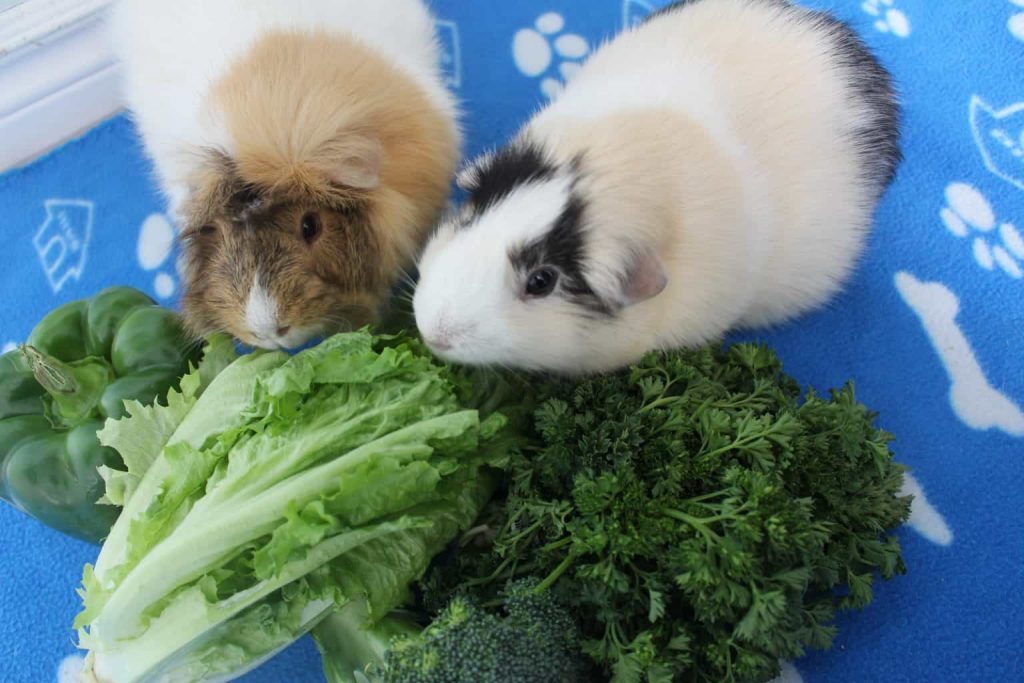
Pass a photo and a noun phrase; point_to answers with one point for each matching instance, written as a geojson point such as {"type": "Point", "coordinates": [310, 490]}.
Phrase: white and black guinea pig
{"type": "Point", "coordinates": [306, 148]}
{"type": "Point", "coordinates": [716, 167]}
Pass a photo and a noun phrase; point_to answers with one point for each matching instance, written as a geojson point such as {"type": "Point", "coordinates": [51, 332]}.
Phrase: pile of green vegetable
{"type": "Point", "coordinates": [692, 518]}
{"type": "Point", "coordinates": [82, 361]}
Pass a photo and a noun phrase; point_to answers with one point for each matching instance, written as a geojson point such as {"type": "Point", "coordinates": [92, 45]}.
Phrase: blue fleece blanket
{"type": "Point", "coordinates": [932, 329]}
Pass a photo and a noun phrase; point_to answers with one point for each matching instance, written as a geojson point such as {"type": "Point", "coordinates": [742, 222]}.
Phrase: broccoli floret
{"type": "Point", "coordinates": [535, 641]}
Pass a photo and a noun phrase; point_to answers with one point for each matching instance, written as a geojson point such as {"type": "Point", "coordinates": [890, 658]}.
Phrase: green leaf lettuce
{"type": "Point", "coordinates": [285, 489]}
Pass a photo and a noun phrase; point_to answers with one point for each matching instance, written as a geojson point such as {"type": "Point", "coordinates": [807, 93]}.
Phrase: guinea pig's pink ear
{"type": "Point", "coordinates": [356, 162]}
{"type": "Point", "coordinates": [645, 279]}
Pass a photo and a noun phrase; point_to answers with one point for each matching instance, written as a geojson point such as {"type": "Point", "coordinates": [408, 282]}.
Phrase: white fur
{"type": "Point", "coordinates": [464, 279]}
{"type": "Point", "coordinates": [263, 318]}
{"type": "Point", "coordinates": [737, 173]}
{"type": "Point", "coordinates": [173, 51]}
{"type": "Point", "coordinates": [261, 312]}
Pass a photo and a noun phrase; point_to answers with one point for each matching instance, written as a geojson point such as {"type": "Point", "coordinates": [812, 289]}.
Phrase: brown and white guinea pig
{"type": "Point", "coordinates": [714, 168]}
{"type": "Point", "coordinates": [305, 146]}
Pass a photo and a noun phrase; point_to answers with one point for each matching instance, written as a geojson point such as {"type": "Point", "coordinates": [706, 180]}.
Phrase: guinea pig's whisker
{"type": "Point", "coordinates": [404, 295]}
{"type": "Point", "coordinates": [406, 275]}
{"type": "Point", "coordinates": [187, 346]}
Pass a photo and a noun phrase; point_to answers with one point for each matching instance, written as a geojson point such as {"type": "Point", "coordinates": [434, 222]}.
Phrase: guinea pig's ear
{"type": "Point", "coordinates": [644, 279]}
{"type": "Point", "coordinates": [209, 187]}
{"type": "Point", "coordinates": [355, 162]}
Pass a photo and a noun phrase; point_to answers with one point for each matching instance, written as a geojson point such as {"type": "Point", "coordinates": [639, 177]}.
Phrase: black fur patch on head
{"type": "Point", "coordinates": [498, 175]}
{"type": "Point", "coordinates": [877, 140]}
{"type": "Point", "coordinates": [562, 248]}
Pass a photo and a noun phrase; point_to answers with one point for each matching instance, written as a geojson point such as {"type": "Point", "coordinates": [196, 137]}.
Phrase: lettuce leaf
{"type": "Point", "coordinates": [284, 488]}
{"type": "Point", "coordinates": [147, 429]}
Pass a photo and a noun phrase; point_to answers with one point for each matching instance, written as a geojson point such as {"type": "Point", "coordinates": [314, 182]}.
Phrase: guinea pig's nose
{"type": "Point", "coordinates": [439, 343]}
{"type": "Point", "coordinates": [440, 340]}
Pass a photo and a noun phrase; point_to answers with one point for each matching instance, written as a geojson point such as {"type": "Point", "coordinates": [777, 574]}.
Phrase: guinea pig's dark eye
{"type": "Point", "coordinates": [310, 227]}
{"type": "Point", "coordinates": [541, 282]}
{"type": "Point", "coordinates": [207, 230]}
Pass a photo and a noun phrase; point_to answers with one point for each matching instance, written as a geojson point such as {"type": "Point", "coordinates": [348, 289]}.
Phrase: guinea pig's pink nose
{"type": "Point", "coordinates": [440, 342]}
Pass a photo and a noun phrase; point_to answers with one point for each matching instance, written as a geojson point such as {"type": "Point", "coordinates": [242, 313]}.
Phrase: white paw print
{"type": "Point", "coordinates": [156, 241]}
{"type": "Point", "coordinates": [535, 49]}
{"type": "Point", "coordinates": [8, 347]}
{"type": "Point", "coordinates": [1016, 22]}
{"type": "Point", "coordinates": [889, 19]}
{"type": "Point", "coordinates": [995, 243]}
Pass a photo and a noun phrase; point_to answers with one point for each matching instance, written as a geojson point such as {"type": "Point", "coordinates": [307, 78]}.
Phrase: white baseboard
{"type": "Point", "coordinates": [58, 76]}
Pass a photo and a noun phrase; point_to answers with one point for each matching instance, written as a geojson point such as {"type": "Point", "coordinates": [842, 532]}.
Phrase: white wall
{"type": "Point", "coordinates": [58, 76]}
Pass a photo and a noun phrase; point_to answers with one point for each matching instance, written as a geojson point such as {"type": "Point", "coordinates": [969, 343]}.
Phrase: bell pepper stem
{"type": "Point", "coordinates": [75, 388]}
{"type": "Point", "coordinates": [52, 375]}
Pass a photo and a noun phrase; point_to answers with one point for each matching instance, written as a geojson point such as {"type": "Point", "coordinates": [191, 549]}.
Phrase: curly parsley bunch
{"type": "Point", "coordinates": [699, 519]}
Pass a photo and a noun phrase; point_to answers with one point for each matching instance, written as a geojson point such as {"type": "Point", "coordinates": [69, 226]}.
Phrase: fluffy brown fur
{"type": "Point", "coordinates": [321, 126]}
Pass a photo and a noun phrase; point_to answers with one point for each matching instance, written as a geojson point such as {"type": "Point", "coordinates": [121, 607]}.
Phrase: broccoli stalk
{"type": "Point", "coordinates": [534, 640]}
{"type": "Point", "coordinates": [353, 651]}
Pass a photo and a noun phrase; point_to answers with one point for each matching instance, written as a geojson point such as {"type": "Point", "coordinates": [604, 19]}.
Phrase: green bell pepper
{"type": "Point", "coordinates": [80, 364]}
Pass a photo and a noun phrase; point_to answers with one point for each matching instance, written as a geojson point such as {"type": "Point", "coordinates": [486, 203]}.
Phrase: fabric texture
{"type": "Point", "coordinates": [931, 329]}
